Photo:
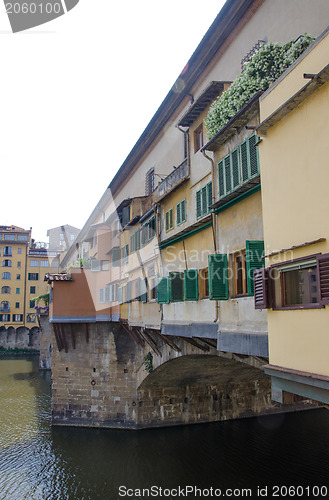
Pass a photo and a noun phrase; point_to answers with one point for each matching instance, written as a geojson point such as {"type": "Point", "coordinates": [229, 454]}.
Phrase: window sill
{"type": "Point", "coordinates": [303, 306]}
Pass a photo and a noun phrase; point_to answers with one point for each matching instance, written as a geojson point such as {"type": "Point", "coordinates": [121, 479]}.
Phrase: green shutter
{"type": "Point", "coordinates": [209, 195]}
{"type": "Point", "coordinates": [198, 204]}
{"type": "Point", "coordinates": [204, 204]}
{"type": "Point", "coordinates": [244, 161]}
{"type": "Point", "coordinates": [227, 167]}
{"type": "Point", "coordinates": [235, 165]}
{"type": "Point", "coordinates": [254, 260]}
{"type": "Point", "coordinates": [143, 290]}
{"type": "Point", "coordinates": [218, 285]}
{"type": "Point", "coordinates": [183, 210]}
{"type": "Point", "coordinates": [163, 291]}
{"type": "Point", "coordinates": [177, 286]}
{"type": "Point", "coordinates": [191, 284]}
{"type": "Point", "coordinates": [221, 185]}
{"type": "Point", "coordinates": [178, 214]}
{"type": "Point", "coordinates": [253, 155]}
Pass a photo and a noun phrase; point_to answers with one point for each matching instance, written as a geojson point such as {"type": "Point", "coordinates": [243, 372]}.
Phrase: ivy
{"type": "Point", "coordinates": [265, 66]}
{"type": "Point", "coordinates": [148, 362]}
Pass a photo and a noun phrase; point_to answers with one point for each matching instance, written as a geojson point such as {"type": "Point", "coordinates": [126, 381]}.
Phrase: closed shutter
{"type": "Point", "coordinates": [235, 164]}
{"type": "Point", "coordinates": [323, 277]}
{"type": "Point", "coordinates": [116, 257]}
{"type": "Point", "coordinates": [178, 213]}
{"type": "Point", "coordinates": [209, 195]}
{"type": "Point", "coordinates": [261, 288]}
{"type": "Point", "coordinates": [120, 295]}
{"type": "Point", "coordinates": [244, 161]}
{"type": "Point", "coordinates": [163, 291]}
{"type": "Point", "coordinates": [191, 284]}
{"type": "Point", "coordinates": [198, 204]}
{"type": "Point", "coordinates": [227, 165]}
{"type": "Point", "coordinates": [221, 185]}
{"type": "Point", "coordinates": [144, 290]}
{"type": "Point", "coordinates": [177, 287]}
{"type": "Point", "coordinates": [255, 259]}
{"type": "Point", "coordinates": [183, 211]}
{"type": "Point", "coordinates": [218, 285]}
{"type": "Point", "coordinates": [204, 204]}
{"type": "Point", "coordinates": [253, 156]}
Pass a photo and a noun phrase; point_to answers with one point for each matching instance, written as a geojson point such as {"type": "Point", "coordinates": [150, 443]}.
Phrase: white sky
{"type": "Point", "coordinates": [76, 94]}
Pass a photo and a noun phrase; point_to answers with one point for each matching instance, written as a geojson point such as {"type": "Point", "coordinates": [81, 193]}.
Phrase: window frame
{"type": "Point", "coordinates": [205, 200]}
{"type": "Point", "coordinates": [198, 138]}
{"type": "Point", "coordinates": [179, 211]}
{"type": "Point", "coordinates": [169, 220]}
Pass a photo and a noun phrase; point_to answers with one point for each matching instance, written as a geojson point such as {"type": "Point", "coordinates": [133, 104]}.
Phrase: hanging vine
{"type": "Point", "coordinates": [265, 66]}
{"type": "Point", "coordinates": [148, 362]}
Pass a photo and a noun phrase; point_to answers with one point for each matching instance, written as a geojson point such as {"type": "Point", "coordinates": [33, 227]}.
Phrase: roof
{"type": "Point", "coordinates": [50, 277]}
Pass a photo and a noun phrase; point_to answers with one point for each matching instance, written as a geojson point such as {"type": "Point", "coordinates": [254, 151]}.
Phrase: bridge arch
{"type": "Point", "coordinates": [201, 388]}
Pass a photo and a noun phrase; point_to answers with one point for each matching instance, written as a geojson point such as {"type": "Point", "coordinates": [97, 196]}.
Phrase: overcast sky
{"type": "Point", "coordinates": [76, 94]}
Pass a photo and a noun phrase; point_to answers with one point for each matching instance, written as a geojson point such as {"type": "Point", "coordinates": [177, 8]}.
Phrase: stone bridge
{"type": "Point", "coordinates": [111, 375]}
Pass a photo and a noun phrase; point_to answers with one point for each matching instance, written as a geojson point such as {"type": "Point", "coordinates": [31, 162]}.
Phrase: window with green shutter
{"type": "Point", "coordinates": [163, 291]}
{"type": "Point", "coordinates": [249, 158]}
{"type": "Point", "coordinates": [191, 284]}
{"type": "Point", "coordinates": [255, 259]}
{"type": "Point", "coordinates": [181, 212]}
{"type": "Point", "coordinates": [169, 219]}
{"type": "Point", "coordinates": [203, 200]}
{"type": "Point", "coordinates": [218, 283]}
{"type": "Point", "coordinates": [176, 286]}
{"type": "Point", "coordinates": [135, 241]}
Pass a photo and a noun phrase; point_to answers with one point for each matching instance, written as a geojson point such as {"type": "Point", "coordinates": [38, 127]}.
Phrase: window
{"type": "Point", "coordinates": [125, 254]}
{"type": "Point", "coordinates": [218, 283]}
{"type": "Point", "coordinates": [169, 220]}
{"type": "Point", "coordinates": [148, 230]}
{"type": "Point", "coordinates": [10, 237]}
{"type": "Point", "coordinates": [4, 317]}
{"type": "Point", "coordinates": [176, 280]}
{"type": "Point", "coordinates": [17, 305]}
{"type": "Point", "coordinates": [5, 306]}
{"type": "Point", "coordinates": [204, 283]}
{"type": "Point", "coordinates": [135, 241]}
{"type": "Point", "coordinates": [149, 181]}
{"type": "Point", "coordinates": [33, 276]}
{"type": "Point", "coordinates": [203, 200]}
{"type": "Point", "coordinates": [152, 288]}
{"type": "Point", "coordinates": [22, 237]}
{"type": "Point", "coordinates": [296, 284]}
{"type": "Point", "coordinates": [143, 290]}
{"type": "Point", "coordinates": [44, 263]}
{"type": "Point", "coordinates": [19, 264]}
{"type": "Point", "coordinates": [6, 289]}
{"type": "Point", "coordinates": [19, 251]}
{"type": "Point", "coordinates": [240, 274]}
{"type": "Point", "coordinates": [18, 277]}
{"type": "Point", "coordinates": [191, 285]}
{"type": "Point", "coordinates": [6, 276]}
{"type": "Point", "coordinates": [32, 289]}
{"type": "Point", "coordinates": [31, 318]}
{"type": "Point", "coordinates": [239, 167]}
{"type": "Point", "coordinates": [124, 216]}
{"type": "Point", "coordinates": [18, 291]}
{"type": "Point", "coordinates": [163, 294]}
{"type": "Point", "coordinates": [34, 263]}
{"type": "Point", "coordinates": [181, 212]}
{"type": "Point", "coordinates": [7, 263]}
{"type": "Point", "coordinates": [198, 138]}
{"type": "Point", "coordinates": [7, 251]}
{"type": "Point", "coordinates": [17, 318]}
{"type": "Point", "coordinates": [116, 257]}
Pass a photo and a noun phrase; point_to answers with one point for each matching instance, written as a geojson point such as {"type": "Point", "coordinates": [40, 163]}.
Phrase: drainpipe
{"type": "Point", "coordinates": [213, 218]}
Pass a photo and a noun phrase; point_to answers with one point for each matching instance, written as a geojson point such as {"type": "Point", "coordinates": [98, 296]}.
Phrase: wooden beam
{"type": "Point", "coordinates": [62, 334]}
{"type": "Point", "coordinates": [149, 341]}
{"type": "Point", "coordinates": [72, 335]}
{"type": "Point", "coordinates": [57, 337]}
{"type": "Point", "coordinates": [134, 335]}
{"type": "Point", "coordinates": [168, 341]}
{"type": "Point", "coordinates": [196, 344]}
{"type": "Point", "coordinates": [211, 342]}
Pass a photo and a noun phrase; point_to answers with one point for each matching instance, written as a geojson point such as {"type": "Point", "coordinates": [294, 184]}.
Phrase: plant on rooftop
{"type": "Point", "coordinates": [265, 66]}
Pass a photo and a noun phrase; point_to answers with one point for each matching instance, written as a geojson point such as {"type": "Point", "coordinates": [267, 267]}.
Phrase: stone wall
{"type": "Point", "coordinates": [45, 343]}
{"type": "Point", "coordinates": [20, 338]}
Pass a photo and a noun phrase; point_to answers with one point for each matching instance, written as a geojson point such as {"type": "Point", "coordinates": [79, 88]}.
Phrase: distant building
{"type": "Point", "coordinates": [62, 237]}
{"type": "Point", "coordinates": [23, 266]}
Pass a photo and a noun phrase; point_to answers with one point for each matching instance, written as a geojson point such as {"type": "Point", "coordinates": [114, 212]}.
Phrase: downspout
{"type": "Point", "coordinates": [213, 218]}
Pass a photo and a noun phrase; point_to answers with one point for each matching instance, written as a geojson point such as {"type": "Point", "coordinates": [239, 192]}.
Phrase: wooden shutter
{"type": "Point", "coordinates": [204, 204]}
{"type": "Point", "coordinates": [120, 295]}
{"type": "Point", "coordinates": [178, 213]}
{"type": "Point", "coordinates": [218, 285]}
{"type": "Point", "coordinates": [177, 286]}
{"type": "Point", "coordinates": [198, 204]}
{"type": "Point", "coordinates": [254, 260]}
{"type": "Point", "coordinates": [235, 168]}
{"type": "Point", "coordinates": [253, 156]}
{"type": "Point", "coordinates": [209, 195]}
{"type": "Point", "coordinates": [227, 166]}
{"type": "Point", "coordinates": [323, 278]}
{"type": "Point", "coordinates": [143, 290]}
{"type": "Point", "coordinates": [221, 186]}
{"type": "Point", "coordinates": [261, 288]}
{"type": "Point", "coordinates": [183, 210]}
{"type": "Point", "coordinates": [191, 284]}
{"type": "Point", "coordinates": [116, 257]}
{"type": "Point", "coordinates": [163, 291]}
{"type": "Point", "coordinates": [244, 161]}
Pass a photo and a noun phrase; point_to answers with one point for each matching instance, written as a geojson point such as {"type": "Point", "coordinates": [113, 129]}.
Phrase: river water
{"type": "Point", "coordinates": [254, 458]}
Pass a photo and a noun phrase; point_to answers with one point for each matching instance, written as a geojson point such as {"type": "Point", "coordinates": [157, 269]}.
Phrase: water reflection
{"type": "Point", "coordinates": [40, 462]}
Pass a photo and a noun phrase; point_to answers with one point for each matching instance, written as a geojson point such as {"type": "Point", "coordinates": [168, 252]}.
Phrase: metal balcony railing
{"type": "Point", "coordinates": [172, 179]}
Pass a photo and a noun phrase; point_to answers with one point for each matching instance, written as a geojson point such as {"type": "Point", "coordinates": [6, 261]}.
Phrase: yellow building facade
{"type": "Point", "coordinates": [23, 267]}
{"type": "Point", "coordinates": [294, 173]}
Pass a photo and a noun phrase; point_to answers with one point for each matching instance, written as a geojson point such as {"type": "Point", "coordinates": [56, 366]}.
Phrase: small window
{"type": "Point", "coordinates": [17, 305]}
{"type": "Point", "coordinates": [176, 286]}
{"type": "Point", "coordinates": [18, 276]}
{"type": "Point", "coordinates": [240, 274]}
{"type": "Point", "coordinates": [5, 306]}
{"type": "Point", "coordinates": [125, 254]}
{"type": "Point", "coordinates": [34, 263]}
{"type": "Point", "coordinates": [203, 200]}
{"type": "Point", "coordinates": [7, 252]}
{"type": "Point", "coordinates": [152, 288]}
{"type": "Point", "coordinates": [5, 289]}
{"type": "Point", "coordinates": [33, 276]}
{"type": "Point", "coordinates": [32, 289]}
{"type": "Point", "coordinates": [198, 138]}
{"type": "Point", "coordinates": [44, 263]}
{"type": "Point", "coordinates": [19, 251]}
{"type": "Point", "coordinates": [6, 276]}
{"type": "Point", "coordinates": [18, 291]}
{"type": "Point", "coordinates": [204, 283]}
{"type": "Point", "coordinates": [7, 263]}
{"type": "Point", "coordinates": [169, 219]}
{"type": "Point", "coordinates": [19, 264]}
{"type": "Point", "coordinates": [149, 181]}
{"type": "Point", "coordinates": [31, 318]}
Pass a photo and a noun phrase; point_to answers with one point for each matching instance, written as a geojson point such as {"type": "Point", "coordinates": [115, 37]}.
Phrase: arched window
{"type": "Point", "coordinates": [5, 289]}
{"type": "Point", "coordinates": [7, 263]}
{"type": "Point", "coordinates": [7, 252]}
{"type": "Point", "coordinates": [5, 306]}
{"type": "Point", "coordinates": [6, 276]}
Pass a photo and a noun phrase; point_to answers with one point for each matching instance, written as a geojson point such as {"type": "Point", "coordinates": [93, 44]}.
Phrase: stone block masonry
{"type": "Point", "coordinates": [100, 380]}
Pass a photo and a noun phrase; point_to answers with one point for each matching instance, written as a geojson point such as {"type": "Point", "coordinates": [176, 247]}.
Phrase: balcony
{"type": "Point", "coordinates": [176, 177]}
